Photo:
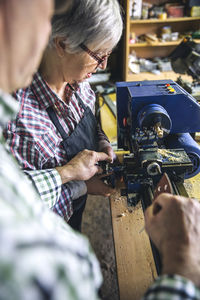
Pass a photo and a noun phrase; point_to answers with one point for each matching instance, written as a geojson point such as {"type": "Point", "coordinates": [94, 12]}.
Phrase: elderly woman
{"type": "Point", "coordinates": [56, 120]}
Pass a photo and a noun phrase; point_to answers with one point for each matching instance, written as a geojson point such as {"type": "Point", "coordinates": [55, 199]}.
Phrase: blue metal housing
{"type": "Point", "coordinates": [140, 102]}
{"type": "Point", "coordinates": [183, 109]}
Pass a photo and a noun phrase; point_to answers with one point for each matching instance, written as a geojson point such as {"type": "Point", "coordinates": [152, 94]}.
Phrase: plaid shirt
{"type": "Point", "coordinates": [35, 142]}
{"type": "Point", "coordinates": [172, 287]}
{"type": "Point", "coordinates": [40, 255]}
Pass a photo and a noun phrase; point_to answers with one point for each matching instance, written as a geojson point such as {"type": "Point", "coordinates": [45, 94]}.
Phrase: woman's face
{"type": "Point", "coordinates": [79, 67]}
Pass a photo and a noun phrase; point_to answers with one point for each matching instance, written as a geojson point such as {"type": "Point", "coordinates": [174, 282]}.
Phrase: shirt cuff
{"type": "Point", "coordinates": [48, 184]}
{"type": "Point", "coordinates": [78, 188]}
{"type": "Point", "coordinates": [174, 287]}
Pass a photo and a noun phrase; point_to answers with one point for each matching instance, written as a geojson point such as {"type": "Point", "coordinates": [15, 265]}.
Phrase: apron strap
{"type": "Point", "coordinates": [80, 101]}
{"type": "Point", "coordinates": [54, 119]}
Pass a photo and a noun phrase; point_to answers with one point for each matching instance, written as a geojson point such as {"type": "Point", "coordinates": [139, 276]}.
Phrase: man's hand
{"type": "Point", "coordinates": [95, 186]}
{"type": "Point", "coordinates": [83, 166]}
{"type": "Point", "coordinates": [175, 230]}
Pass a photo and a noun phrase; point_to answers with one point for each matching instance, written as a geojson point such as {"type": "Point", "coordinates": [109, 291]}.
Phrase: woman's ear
{"type": "Point", "coordinates": [60, 46]}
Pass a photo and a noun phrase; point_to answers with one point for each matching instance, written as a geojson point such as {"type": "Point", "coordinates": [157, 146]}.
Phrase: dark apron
{"type": "Point", "coordinates": [83, 137]}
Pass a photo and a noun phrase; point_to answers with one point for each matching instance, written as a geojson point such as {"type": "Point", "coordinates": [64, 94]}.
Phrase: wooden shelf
{"type": "Point", "coordinates": [148, 50]}
{"type": "Point", "coordinates": [158, 44]}
{"type": "Point", "coordinates": [150, 76]}
{"type": "Point", "coordinates": [168, 20]}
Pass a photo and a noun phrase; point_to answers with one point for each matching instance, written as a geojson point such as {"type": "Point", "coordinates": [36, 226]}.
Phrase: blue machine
{"type": "Point", "coordinates": [155, 115]}
{"type": "Point", "coordinates": [155, 122]}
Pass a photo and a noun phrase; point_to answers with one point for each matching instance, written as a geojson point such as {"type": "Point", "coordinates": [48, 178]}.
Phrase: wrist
{"type": "Point", "coordinates": [183, 263]}
{"type": "Point", "coordinates": [66, 173]}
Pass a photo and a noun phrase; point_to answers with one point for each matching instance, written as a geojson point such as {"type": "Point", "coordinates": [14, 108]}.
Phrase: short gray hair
{"type": "Point", "coordinates": [89, 22]}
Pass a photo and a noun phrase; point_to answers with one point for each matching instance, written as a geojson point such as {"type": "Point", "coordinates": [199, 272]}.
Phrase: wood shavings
{"type": "Point", "coordinates": [117, 197]}
{"type": "Point", "coordinates": [121, 215]}
{"type": "Point", "coordinates": [142, 229]}
{"type": "Point", "coordinates": [125, 213]}
{"type": "Point", "coordinates": [171, 155]}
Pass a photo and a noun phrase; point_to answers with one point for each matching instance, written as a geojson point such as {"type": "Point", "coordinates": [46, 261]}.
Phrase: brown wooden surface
{"type": "Point", "coordinates": [163, 75]}
{"type": "Point", "coordinates": [192, 186]}
{"type": "Point", "coordinates": [135, 264]}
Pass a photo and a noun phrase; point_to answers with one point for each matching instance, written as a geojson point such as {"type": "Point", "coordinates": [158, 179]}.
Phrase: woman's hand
{"type": "Point", "coordinates": [83, 166]}
{"type": "Point", "coordinates": [95, 186]}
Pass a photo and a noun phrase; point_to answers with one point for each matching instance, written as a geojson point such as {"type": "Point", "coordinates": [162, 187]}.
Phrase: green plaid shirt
{"type": "Point", "coordinates": [172, 287]}
{"type": "Point", "coordinates": [41, 257]}
{"type": "Point", "coordinates": [48, 184]}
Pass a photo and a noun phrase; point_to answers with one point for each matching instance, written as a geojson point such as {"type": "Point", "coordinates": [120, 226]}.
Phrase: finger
{"type": "Point", "coordinates": [166, 200]}
{"type": "Point", "coordinates": [110, 154]}
{"type": "Point", "coordinates": [110, 160]}
{"type": "Point", "coordinates": [111, 191]}
{"type": "Point", "coordinates": [108, 194]}
{"type": "Point", "coordinates": [99, 170]}
{"type": "Point", "coordinates": [106, 189]}
{"type": "Point", "coordinates": [100, 156]}
{"type": "Point", "coordinates": [115, 158]}
{"type": "Point", "coordinates": [109, 151]}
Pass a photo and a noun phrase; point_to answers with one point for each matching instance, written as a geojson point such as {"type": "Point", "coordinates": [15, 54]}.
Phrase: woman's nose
{"type": "Point", "coordinates": [103, 65]}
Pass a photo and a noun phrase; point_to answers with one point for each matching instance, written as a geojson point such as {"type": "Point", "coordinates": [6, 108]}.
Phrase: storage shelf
{"type": "Point", "coordinates": [168, 20]}
{"type": "Point", "coordinates": [163, 75]}
{"type": "Point", "coordinates": [151, 49]}
{"type": "Point", "coordinates": [158, 44]}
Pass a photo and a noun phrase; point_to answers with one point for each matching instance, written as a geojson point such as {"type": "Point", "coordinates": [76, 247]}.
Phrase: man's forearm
{"type": "Point", "coordinates": [47, 183]}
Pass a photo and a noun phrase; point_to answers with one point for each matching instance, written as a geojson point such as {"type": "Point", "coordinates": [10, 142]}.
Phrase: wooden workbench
{"type": "Point", "coordinates": [135, 265]}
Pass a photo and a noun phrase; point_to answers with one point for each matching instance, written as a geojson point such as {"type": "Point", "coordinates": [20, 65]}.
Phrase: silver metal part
{"type": "Point", "coordinates": [153, 169]}
{"type": "Point", "coordinates": [159, 130]}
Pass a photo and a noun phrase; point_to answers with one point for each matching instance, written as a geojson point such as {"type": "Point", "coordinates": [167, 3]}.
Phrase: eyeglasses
{"type": "Point", "coordinates": [99, 59]}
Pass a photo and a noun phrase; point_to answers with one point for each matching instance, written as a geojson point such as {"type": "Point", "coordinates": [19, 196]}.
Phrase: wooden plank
{"type": "Point", "coordinates": [158, 44]}
{"type": "Point", "coordinates": [193, 187]}
{"type": "Point", "coordinates": [162, 75]}
{"type": "Point", "coordinates": [135, 265]}
{"type": "Point", "coordinates": [168, 20]}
